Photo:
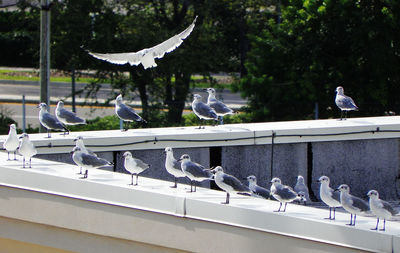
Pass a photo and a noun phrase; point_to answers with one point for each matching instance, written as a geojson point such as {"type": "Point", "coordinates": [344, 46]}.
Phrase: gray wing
{"type": "Point", "coordinates": [220, 107]}
{"type": "Point", "coordinates": [52, 122]}
{"type": "Point", "coordinates": [127, 113]}
{"type": "Point", "coordinates": [204, 110]}
{"type": "Point", "coordinates": [388, 207]}
{"type": "Point", "coordinates": [235, 183]}
{"type": "Point", "coordinates": [285, 193]}
{"type": "Point", "coordinates": [361, 204]}
{"type": "Point", "coordinates": [260, 191]}
{"type": "Point", "coordinates": [71, 117]}
{"type": "Point", "coordinates": [346, 103]}
{"type": "Point", "coordinates": [335, 195]}
{"type": "Point", "coordinates": [197, 170]}
{"type": "Point", "coordinates": [141, 164]}
{"type": "Point", "coordinates": [94, 161]}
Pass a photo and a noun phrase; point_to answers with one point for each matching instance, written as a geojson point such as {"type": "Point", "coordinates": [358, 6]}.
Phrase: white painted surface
{"type": "Point", "coordinates": [224, 135]}
{"type": "Point", "coordinates": [52, 194]}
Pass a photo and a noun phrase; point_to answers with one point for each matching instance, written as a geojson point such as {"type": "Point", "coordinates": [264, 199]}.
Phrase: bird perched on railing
{"type": "Point", "coordinates": [172, 165]}
{"type": "Point", "coordinates": [345, 103]}
{"type": "Point", "coordinates": [352, 204]}
{"type": "Point", "coordinates": [194, 171]}
{"type": "Point", "coordinates": [302, 189]}
{"type": "Point", "coordinates": [134, 166]}
{"type": "Point", "coordinates": [11, 144]}
{"type": "Point", "coordinates": [329, 196]}
{"type": "Point", "coordinates": [87, 161]}
{"type": "Point", "coordinates": [202, 110]}
{"type": "Point", "coordinates": [67, 117]}
{"type": "Point", "coordinates": [147, 56]}
{"type": "Point", "coordinates": [49, 121]}
{"type": "Point", "coordinates": [282, 193]}
{"type": "Point", "coordinates": [125, 112]}
{"type": "Point", "coordinates": [26, 149]}
{"type": "Point", "coordinates": [380, 208]}
{"type": "Point", "coordinates": [229, 183]}
{"type": "Point", "coordinates": [220, 108]}
{"type": "Point", "coordinates": [81, 145]}
{"type": "Point", "coordinates": [256, 189]}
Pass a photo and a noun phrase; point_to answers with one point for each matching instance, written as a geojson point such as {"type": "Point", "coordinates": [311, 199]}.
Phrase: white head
{"type": "Point", "coordinates": [118, 100]}
{"type": "Point", "coordinates": [24, 136]}
{"type": "Point", "coordinates": [197, 97]}
{"type": "Point", "coordinates": [211, 91]}
{"type": "Point", "coordinates": [127, 154]}
{"type": "Point", "coordinates": [340, 90]}
{"type": "Point", "coordinates": [300, 179]}
{"type": "Point", "coordinates": [60, 104]}
{"type": "Point", "coordinates": [168, 150]}
{"type": "Point", "coordinates": [80, 138]}
{"type": "Point", "coordinates": [252, 179]}
{"type": "Point", "coordinates": [43, 106]}
{"type": "Point", "coordinates": [217, 169]}
{"type": "Point", "coordinates": [184, 157]}
{"type": "Point", "coordinates": [324, 180]}
{"type": "Point", "coordinates": [344, 188]}
{"type": "Point", "coordinates": [373, 194]}
{"type": "Point", "coordinates": [276, 180]}
{"type": "Point", "coordinates": [13, 127]}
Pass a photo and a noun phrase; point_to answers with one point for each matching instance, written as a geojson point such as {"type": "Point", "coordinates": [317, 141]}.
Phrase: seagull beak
{"type": "Point", "coordinates": [336, 190]}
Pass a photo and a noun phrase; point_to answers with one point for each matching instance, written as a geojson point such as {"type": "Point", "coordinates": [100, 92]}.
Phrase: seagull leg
{"type": "Point", "coordinates": [351, 220]}
{"type": "Point", "coordinates": [354, 220]}
{"type": "Point", "coordinates": [86, 174]}
{"type": "Point", "coordinates": [48, 133]}
{"type": "Point", "coordinates": [137, 176]}
{"type": "Point", "coordinates": [227, 199]}
{"type": "Point", "coordinates": [345, 115]}
{"type": "Point", "coordinates": [334, 213]}
{"type": "Point", "coordinates": [15, 155]}
{"type": "Point", "coordinates": [30, 162]}
{"type": "Point", "coordinates": [377, 223]}
{"type": "Point", "coordinates": [384, 225]}
{"type": "Point", "coordinates": [175, 184]}
{"type": "Point", "coordinates": [330, 211]}
{"type": "Point", "coordinates": [23, 162]}
{"type": "Point", "coordinates": [8, 159]}
{"type": "Point", "coordinates": [284, 210]}
{"type": "Point", "coordinates": [280, 205]}
{"type": "Point", "coordinates": [80, 171]}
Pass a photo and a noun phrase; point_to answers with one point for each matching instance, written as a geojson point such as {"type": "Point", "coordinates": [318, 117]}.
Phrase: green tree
{"type": "Point", "coordinates": [317, 46]}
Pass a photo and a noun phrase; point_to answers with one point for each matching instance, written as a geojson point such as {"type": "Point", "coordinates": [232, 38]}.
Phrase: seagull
{"type": "Point", "coordinates": [380, 208]}
{"type": "Point", "coordinates": [134, 166]}
{"type": "Point", "coordinates": [172, 165]}
{"type": "Point", "coordinates": [282, 193]}
{"type": "Point", "coordinates": [352, 204]}
{"type": "Point", "coordinates": [88, 161]}
{"type": "Point", "coordinates": [11, 144]}
{"type": "Point", "coordinates": [220, 108]}
{"type": "Point", "coordinates": [79, 143]}
{"type": "Point", "coordinates": [329, 196]}
{"type": "Point", "coordinates": [258, 190]}
{"type": "Point", "coordinates": [229, 183]}
{"type": "Point", "coordinates": [125, 112]}
{"type": "Point", "coordinates": [194, 171]}
{"type": "Point", "coordinates": [147, 56]}
{"type": "Point", "coordinates": [66, 117]}
{"type": "Point", "coordinates": [345, 103]}
{"type": "Point", "coordinates": [302, 189]}
{"type": "Point", "coordinates": [50, 122]}
{"type": "Point", "coordinates": [202, 110]}
{"type": "Point", "coordinates": [26, 149]}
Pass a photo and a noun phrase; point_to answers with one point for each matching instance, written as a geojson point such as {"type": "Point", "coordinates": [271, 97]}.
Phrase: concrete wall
{"type": "Point", "coordinates": [362, 164]}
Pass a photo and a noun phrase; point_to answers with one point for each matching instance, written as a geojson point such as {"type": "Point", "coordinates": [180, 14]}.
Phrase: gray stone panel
{"type": "Point", "coordinates": [362, 164]}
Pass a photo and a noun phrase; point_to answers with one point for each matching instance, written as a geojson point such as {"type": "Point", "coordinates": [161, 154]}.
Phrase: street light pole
{"type": "Point", "coordinates": [44, 53]}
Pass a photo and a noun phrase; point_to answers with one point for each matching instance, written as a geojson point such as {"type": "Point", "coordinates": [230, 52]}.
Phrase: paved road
{"type": "Point", "coordinates": [12, 91]}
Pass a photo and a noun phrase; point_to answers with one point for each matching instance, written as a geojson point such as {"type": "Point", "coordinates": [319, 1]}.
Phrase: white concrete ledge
{"type": "Point", "coordinates": [224, 135]}
{"type": "Point", "coordinates": [152, 213]}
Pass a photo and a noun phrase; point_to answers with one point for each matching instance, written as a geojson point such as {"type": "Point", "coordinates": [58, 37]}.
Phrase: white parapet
{"type": "Point", "coordinates": [50, 207]}
{"type": "Point", "coordinates": [224, 135]}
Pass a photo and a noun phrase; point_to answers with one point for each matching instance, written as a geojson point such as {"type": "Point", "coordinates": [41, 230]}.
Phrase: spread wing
{"type": "Point", "coordinates": [146, 56]}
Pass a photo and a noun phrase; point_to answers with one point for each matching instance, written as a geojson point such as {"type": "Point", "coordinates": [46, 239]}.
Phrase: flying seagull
{"type": "Point", "coordinates": [67, 117]}
{"type": "Point", "coordinates": [146, 56]}
{"type": "Point", "coordinates": [345, 103]}
{"type": "Point", "coordinates": [11, 144]}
